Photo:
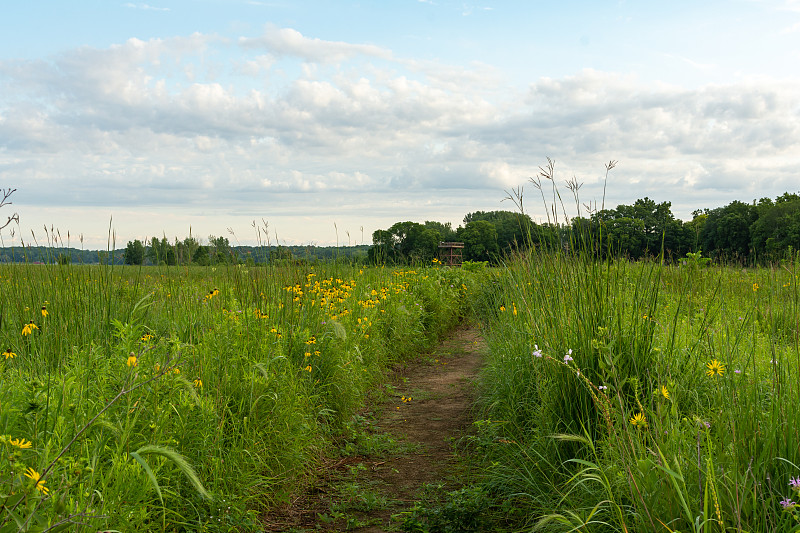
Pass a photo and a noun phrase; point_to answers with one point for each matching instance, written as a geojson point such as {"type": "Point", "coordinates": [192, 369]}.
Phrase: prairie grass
{"type": "Point", "coordinates": [192, 398]}
{"type": "Point", "coordinates": [641, 396]}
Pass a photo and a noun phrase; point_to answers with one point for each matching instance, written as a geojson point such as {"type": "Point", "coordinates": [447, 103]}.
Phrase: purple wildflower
{"type": "Point", "coordinates": [787, 503]}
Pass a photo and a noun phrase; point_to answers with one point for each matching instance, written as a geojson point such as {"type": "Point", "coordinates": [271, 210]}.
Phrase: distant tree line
{"type": "Point", "coordinates": [760, 232]}
{"type": "Point", "coordinates": [219, 251]}
{"type": "Point", "coordinates": [485, 234]}
{"type": "Point", "coordinates": [178, 253]}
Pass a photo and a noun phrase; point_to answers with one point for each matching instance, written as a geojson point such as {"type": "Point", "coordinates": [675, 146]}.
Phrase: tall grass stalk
{"type": "Point", "coordinates": [680, 381]}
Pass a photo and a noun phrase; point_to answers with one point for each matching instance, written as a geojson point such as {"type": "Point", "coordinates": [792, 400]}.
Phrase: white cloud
{"type": "Point", "coordinates": [127, 126]}
{"type": "Point", "coordinates": [290, 42]}
{"type": "Point", "coordinates": [145, 7]}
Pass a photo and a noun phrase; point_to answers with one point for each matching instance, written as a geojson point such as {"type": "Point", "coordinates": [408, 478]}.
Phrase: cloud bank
{"type": "Point", "coordinates": [291, 126]}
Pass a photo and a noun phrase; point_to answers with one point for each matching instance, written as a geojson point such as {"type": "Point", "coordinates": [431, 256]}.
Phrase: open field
{"type": "Point", "coordinates": [641, 397]}
{"type": "Point", "coordinates": [617, 395]}
{"type": "Point", "coordinates": [175, 399]}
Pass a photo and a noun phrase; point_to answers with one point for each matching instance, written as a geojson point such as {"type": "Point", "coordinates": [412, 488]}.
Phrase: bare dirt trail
{"type": "Point", "coordinates": [410, 438]}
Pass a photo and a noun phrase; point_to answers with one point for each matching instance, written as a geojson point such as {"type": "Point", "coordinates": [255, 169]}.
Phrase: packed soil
{"type": "Point", "coordinates": [412, 429]}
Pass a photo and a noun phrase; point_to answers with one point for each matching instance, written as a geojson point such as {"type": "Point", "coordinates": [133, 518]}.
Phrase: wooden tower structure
{"type": "Point", "coordinates": [451, 253]}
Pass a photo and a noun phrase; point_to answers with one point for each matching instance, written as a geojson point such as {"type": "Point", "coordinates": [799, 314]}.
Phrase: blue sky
{"type": "Point", "coordinates": [345, 117]}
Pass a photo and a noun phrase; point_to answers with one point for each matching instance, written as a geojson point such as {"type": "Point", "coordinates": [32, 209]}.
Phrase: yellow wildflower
{"type": "Point", "coordinates": [639, 421]}
{"type": "Point", "coordinates": [715, 368]}
{"type": "Point", "coordinates": [198, 383]}
{"type": "Point", "coordinates": [132, 361]}
{"type": "Point", "coordinates": [9, 354]}
{"type": "Point", "coordinates": [37, 479]}
{"type": "Point", "coordinates": [28, 328]}
{"type": "Point", "coordinates": [308, 368]}
{"type": "Point", "coordinates": [44, 311]}
{"type": "Point", "coordinates": [21, 443]}
{"type": "Point", "coordinates": [755, 287]}
{"type": "Point", "coordinates": [664, 392]}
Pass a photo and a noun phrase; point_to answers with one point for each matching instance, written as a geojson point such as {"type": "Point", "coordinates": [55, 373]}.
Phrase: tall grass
{"type": "Point", "coordinates": [190, 398]}
{"type": "Point", "coordinates": [642, 396]}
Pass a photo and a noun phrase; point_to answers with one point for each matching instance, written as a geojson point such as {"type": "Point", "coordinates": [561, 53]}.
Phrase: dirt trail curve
{"type": "Point", "coordinates": [360, 493]}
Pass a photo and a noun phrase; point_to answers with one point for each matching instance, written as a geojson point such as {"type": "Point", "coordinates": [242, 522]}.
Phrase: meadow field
{"type": "Point", "coordinates": [192, 398]}
{"type": "Point", "coordinates": [639, 396]}
{"type": "Point", "coordinates": [617, 395]}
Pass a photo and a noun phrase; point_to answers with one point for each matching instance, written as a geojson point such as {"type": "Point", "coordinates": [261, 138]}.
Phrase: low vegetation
{"type": "Point", "coordinates": [191, 399]}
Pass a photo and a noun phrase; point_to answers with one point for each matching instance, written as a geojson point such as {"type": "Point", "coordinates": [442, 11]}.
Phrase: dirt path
{"type": "Point", "coordinates": [402, 448]}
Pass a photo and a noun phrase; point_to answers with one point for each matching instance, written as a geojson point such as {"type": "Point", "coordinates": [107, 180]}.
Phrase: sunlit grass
{"type": "Point", "coordinates": [175, 398]}
{"type": "Point", "coordinates": [643, 396]}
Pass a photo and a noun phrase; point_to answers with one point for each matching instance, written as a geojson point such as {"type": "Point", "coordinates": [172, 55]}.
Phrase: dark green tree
{"type": "Point", "coordinates": [220, 250]}
{"type": "Point", "coordinates": [403, 243]}
{"type": "Point", "coordinates": [445, 231]}
{"type": "Point", "coordinates": [513, 229]}
{"type": "Point", "coordinates": [185, 250]}
{"type": "Point", "coordinates": [159, 251]}
{"type": "Point", "coordinates": [777, 228]}
{"type": "Point", "coordinates": [134, 253]}
{"type": "Point", "coordinates": [201, 256]}
{"type": "Point", "coordinates": [726, 232]}
{"type": "Point", "coordinates": [280, 254]}
{"type": "Point", "coordinates": [643, 228]}
{"type": "Point", "coordinates": [480, 241]}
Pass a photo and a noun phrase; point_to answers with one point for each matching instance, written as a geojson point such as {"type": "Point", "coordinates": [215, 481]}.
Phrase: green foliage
{"type": "Point", "coordinates": [513, 229]}
{"type": "Point", "coordinates": [475, 266]}
{"type": "Point", "coordinates": [777, 229]}
{"type": "Point", "coordinates": [151, 395]}
{"type": "Point", "coordinates": [645, 339]}
{"type": "Point", "coordinates": [464, 510]}
{"type": "Point", "coordinates": [480, 240]}
{"type": "Point", "coordinates": [641, 396]}
{"type": "Point", "coordinates": [134, 253]}
{"type": "Point", "coordinates": [727, 230]}
{"type": "Point", "coordinates": [634, 231]}
{"type": "Point", "coordinates": [445, 231]}
{"type": "Point", "coordinates": [404, 243]}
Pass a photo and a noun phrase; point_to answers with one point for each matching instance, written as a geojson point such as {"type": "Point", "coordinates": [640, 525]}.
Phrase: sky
{"type": "Point", "coordinates": [319, 122]}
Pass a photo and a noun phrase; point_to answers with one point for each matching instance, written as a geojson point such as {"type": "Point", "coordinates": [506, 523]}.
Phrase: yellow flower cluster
{"type": "Point", "coordinates": [28, 328]}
